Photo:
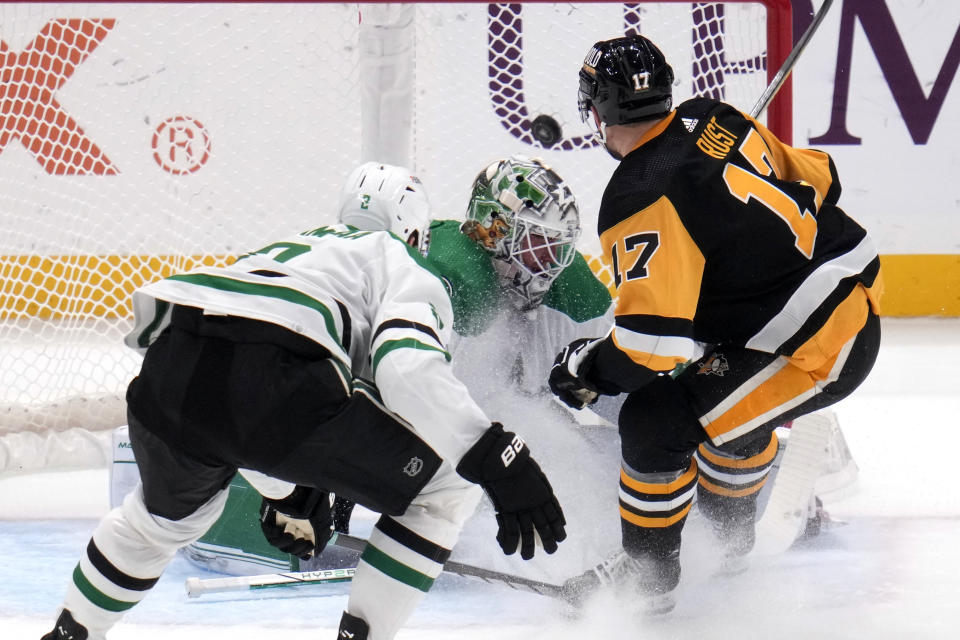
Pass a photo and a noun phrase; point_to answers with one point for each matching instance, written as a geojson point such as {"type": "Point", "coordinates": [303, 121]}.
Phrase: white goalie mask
{"type": "Point", "coordinates": [384, 197]}
{"type": "Point", "coordinates": [523, 213]}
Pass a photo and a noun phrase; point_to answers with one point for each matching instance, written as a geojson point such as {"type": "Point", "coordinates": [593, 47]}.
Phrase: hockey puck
{"type": "Point", "coordinates": [546, 130]}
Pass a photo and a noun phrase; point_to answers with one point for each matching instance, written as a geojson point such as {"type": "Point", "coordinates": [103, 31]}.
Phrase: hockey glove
{"type": "Point", "coordinates": [526, 507]}
{"type": "Point", "coordinates": [300, 524]}
{"type": "Point", "coordinates": [569, 367]}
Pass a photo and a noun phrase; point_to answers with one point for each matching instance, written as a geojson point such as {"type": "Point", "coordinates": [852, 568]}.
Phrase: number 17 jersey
{"type": "Point", "coordinates": [719, 233]}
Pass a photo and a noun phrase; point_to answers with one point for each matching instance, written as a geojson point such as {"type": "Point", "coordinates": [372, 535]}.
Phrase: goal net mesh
{"type": "Point", "coordinates": [139, 140]}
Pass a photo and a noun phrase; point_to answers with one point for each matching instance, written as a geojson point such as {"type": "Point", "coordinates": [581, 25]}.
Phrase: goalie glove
{"type": "Point", "coordinates": [526, 507]}
{"type": "Point", "coordinates": [566, 377]}
{"type": "Point", "coordinates": [300, 524]}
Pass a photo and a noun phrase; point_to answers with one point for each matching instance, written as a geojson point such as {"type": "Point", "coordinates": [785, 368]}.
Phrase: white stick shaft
{"type": "Point", "coordinates": [198, 586]}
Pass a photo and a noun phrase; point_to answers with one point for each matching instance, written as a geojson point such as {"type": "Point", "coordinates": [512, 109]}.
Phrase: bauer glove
{"type": "Point", "coordinates": [526, 507]}
{"type": "Point", "coordinates": [300, 524]}
{"type": "Point", "coordinates": [567, 380]}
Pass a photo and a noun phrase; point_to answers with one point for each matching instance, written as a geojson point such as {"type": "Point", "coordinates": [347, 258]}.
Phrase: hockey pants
{"type": "Point", "coordinates": [720, 412]}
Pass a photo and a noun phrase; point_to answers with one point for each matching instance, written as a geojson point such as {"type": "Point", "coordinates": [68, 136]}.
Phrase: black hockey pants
{"type": "Point", "coordinates": [217, 393]}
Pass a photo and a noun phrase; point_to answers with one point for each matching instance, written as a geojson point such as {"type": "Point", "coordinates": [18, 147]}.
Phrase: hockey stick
{"type": "Point", "coordinates": [198, 586]}
{"type": "Point", "coordinates": [791, 60]}
{"type": "Point", "coordinates": [469, 571]}
{"type": "Point", "coordinates": [584, 417]}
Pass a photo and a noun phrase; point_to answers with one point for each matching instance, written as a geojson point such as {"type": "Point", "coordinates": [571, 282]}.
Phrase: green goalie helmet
{"type": "Point", "coordinates": [524, 214]}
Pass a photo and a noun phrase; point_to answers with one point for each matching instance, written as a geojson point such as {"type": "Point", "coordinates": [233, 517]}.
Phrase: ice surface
{"type": "Point", "coordinates": [892, 571]}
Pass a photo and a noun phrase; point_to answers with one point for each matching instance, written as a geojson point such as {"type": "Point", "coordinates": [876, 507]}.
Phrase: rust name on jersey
{"type": "Point", "coordinates": [715, 141]}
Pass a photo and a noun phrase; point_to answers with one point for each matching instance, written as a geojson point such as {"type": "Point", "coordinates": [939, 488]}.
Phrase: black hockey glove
{"type": "Point", "coordinates": [569, 367]}
{"type": "Point", "coordinates": [526, 507]}
{"type": "Point", "coordinates": [300, 524]}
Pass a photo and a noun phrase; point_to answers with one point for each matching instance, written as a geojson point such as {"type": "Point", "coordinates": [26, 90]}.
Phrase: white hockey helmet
{"type": "Point", "coordinates": [384, 197]}
{"type": "Point", "coordinates": [524, 214]}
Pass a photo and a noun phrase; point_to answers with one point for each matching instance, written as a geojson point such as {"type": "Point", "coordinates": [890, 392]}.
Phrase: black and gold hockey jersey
{"type": "Point", "coordinates": [719, 233]}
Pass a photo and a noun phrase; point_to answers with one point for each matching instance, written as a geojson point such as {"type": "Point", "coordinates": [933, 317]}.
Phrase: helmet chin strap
{"type": "Point", "coordinates": [601, 132]}
{"type": "Point", "coordinates": [599, 126]}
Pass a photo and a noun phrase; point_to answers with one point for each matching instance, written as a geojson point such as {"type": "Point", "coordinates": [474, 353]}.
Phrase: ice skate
{"type": "Point", "coordinates": [67, 628]}
{"type": "Point", "coordinates": [818, 521]}
{"type": "Point", "coordinates": [735, 541]}
{"type": "Point", "coordinates": [649, 582]}
{"type": "Point", "coordinates": [352, 628]}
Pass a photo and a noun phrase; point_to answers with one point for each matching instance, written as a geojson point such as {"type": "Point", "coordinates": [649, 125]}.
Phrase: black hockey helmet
{"type": "Point", "coordinates": [627, 79]}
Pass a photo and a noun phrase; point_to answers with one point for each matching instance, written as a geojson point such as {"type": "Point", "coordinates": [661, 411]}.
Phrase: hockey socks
{"type": "Point", "coordinates": [728, 488]}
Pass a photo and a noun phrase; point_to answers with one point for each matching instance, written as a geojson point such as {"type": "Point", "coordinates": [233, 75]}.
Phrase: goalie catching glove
{"type": "Point", "coordinates": [567, 380]}
{"type": "Point", "coordinates": [300, 524]}
{"type": "Point", "coordinates": [526, 507]}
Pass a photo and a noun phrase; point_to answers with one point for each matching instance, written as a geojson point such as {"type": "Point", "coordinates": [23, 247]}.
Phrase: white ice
{"type": "Point", "coordinates": [892, 571]}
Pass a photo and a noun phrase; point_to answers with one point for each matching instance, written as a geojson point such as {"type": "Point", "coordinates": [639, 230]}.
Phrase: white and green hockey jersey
{"type": "Point", "coordinates": [494, 346]}
{"type": "Point", "coordinates": [365, 296]}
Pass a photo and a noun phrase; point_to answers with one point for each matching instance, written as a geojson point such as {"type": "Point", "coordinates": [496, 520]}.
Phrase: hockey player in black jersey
{"type": "Point", "coordinates": [729, 253]}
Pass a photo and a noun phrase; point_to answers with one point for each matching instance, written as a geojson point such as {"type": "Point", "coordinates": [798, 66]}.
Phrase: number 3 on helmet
{"type": "Point", "coordinates": [384, 197]}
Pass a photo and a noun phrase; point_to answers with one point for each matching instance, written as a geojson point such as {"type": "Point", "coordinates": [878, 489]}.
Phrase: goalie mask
{"type": "Point", "coordinates": [523, 213]}
{"type": "Point", "coordinates": [383, 197]}
{"type": "Point", "coordinates": [626, 80]}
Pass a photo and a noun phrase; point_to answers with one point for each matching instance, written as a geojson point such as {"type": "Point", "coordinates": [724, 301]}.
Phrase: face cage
{"type": "Point", "coordinates": [537, 255]}
{"type": "Point", "coordinates": [585, 94]}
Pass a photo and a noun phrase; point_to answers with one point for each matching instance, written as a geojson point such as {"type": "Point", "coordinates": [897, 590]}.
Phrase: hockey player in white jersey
{"type": "Point", "coordinates": [516, 300]}
{"type": "Point", "coordinates": [259, 366]}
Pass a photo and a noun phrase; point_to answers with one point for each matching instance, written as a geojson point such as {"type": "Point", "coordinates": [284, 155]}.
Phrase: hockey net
{"type": "Point", "coordinates": [137, 140]}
